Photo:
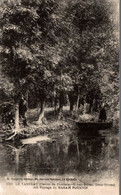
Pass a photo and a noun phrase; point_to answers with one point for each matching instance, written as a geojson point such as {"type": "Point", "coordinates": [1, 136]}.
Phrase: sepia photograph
{"type": "Point", "coordinates": [59, 97]}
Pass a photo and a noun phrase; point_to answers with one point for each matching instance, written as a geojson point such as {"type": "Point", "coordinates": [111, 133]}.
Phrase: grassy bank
{"type": "Point", "coordinates": [54, 122]}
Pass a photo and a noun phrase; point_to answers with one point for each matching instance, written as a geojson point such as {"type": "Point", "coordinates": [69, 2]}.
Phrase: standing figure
{"type": "Point", "coordinates": [85, 107]}
{"type": "Point", "coordinates": [102, 115]}
{"type": "Point", "coordinates": [22, 110]}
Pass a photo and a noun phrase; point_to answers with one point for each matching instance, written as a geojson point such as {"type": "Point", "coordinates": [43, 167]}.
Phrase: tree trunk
{"type": "Point", "coordinates": [60, 107]}
{"type": "Point", "coordinates": [16, 131]}
{"type": "Point", "coordinates": [77, 103]}
{"type": "Point", "coordinates": [27, 99]}
{"type": "Point", "coordinates": [17, 126]}
{"type": "Point", "coordinates": [90, 107]}
{"type": "Point", "coordinates": [41, 114]}
{"type": "Point", "coordinates": [71, 106]}
{"type": "Point", "coordinates": [61, 102]}
{"type": "Point", "coordinates": [51, 102]}
{"type": "Point", "coordinates": [72, 100]}
{"type": "Point", "coordinates": [55, 103]}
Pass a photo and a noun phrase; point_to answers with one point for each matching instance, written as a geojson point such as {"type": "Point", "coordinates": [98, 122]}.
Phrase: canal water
{"type": "Point", "coordinates": [64, 153]}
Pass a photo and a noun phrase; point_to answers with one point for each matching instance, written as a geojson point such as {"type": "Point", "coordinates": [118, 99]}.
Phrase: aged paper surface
{"type": "Point", "coordinates": [59, 97]}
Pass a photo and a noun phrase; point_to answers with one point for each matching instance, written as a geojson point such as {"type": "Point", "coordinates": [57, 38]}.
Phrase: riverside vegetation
{"type": "Point", "coordinates": [53, 54]}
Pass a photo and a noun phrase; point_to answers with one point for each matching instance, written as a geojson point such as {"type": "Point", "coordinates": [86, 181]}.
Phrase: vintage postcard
{"type": "Point", "coordinates": [59, 97]}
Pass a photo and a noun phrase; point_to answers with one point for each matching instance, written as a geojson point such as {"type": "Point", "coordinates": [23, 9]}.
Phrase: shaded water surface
{"type": "Point", "coordinates": [63, 153]}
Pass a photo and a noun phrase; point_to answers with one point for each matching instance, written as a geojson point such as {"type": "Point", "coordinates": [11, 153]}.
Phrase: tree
{"type": "Point", "coordinates": [95, 29]}
{"type": "Point", "coordinates": [19, 32]}
{"type": "Point", "coordinates": [26, 40]}
{"type": "Point", "coordinates": [60, 47]}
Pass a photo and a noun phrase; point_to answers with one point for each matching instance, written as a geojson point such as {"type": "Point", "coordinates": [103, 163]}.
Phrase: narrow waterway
{"type": "Point", "coordinates": [63, 153]}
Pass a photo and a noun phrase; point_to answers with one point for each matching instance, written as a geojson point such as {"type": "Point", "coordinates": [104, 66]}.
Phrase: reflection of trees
{"type": "Point", "coordinates": [16, 154]}
{"type": "Point", "coordinates": [92, 153]}
{"type": "Point", "coordinates": [6, 160]}
{"type": "Point", "coordinates": [63, 155]}
{"type": "Point", "coordinates": [33, 158]}
{"type": "Point", "coordinates": [62, 151]}
{"type": "Point", "coordinates": [46, 157]}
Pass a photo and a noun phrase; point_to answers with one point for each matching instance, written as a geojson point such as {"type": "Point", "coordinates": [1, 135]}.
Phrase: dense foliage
{"type": "Point", "coordinates": [55, 51]}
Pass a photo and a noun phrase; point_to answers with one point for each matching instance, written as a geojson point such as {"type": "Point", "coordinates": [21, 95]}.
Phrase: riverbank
{"type": "Point", "coordinates": [54, 122]}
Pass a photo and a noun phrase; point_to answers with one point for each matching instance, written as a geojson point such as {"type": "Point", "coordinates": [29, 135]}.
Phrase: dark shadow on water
{"type": "Point", "coordinates": [86, 153]}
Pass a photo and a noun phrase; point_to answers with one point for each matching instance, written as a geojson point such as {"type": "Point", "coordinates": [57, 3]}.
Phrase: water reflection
{"type": "Point", "coordinates": [62, 154]}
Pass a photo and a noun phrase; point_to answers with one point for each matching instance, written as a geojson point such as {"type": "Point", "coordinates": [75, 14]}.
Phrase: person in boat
{"type": "Point", "coordinates": [102, 114]}
{"type": "Point", "coordinates": [86, 116]}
